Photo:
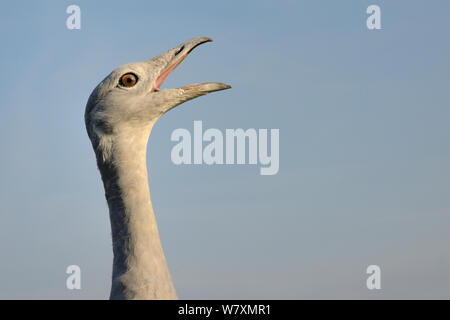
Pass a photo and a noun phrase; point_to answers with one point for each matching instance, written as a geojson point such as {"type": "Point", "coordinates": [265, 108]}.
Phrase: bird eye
{"type": "Point", "coordinates": [128, 80]}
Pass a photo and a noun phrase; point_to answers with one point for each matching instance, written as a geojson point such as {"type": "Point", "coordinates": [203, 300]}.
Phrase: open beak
{"type": "Point", "coordinates": [172, 58]}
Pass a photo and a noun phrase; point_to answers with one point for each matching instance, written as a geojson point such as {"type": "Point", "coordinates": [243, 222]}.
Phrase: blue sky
{"type": "Point", "coordinates": [364, 160]}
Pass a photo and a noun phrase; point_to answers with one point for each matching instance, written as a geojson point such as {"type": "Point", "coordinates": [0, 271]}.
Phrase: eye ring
{"type": "Point", "coordinates": [128, 80]}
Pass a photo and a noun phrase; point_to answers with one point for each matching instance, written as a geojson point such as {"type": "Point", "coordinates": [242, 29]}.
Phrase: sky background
{"type": "Point", "coordinates": [364, 148]}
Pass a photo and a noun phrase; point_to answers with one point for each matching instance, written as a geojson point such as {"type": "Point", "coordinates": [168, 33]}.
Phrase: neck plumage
{"type": "Point", "coordinates": [139, 269]}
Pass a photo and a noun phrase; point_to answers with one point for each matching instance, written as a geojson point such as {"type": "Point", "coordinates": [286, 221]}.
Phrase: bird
{"type": "Point", "coordinates": [119, 116]}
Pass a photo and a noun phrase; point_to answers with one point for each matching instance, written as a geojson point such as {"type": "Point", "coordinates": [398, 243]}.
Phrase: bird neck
{"type": "Point", "coordinates": [139, 269]}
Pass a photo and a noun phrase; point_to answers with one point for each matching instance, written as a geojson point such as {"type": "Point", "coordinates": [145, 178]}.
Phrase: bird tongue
{"type": "Point", "coordinates": [163, 76]}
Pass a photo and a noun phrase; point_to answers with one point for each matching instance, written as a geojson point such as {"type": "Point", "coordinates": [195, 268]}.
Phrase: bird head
{"type": "Point", "coordinates": [130, 96]}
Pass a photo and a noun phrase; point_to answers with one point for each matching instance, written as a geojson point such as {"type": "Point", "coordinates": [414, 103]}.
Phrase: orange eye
{"type": "Point", "coordinates": [128, 80]}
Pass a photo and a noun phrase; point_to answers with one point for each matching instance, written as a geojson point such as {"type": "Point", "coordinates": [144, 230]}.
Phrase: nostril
{"type": "Point", "coordinates": [181, 49]}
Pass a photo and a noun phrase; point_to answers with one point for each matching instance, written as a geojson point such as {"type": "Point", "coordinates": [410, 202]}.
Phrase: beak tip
{"type": "Point", "coordinates": [222, 86]}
